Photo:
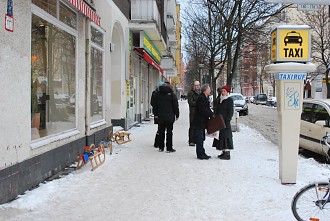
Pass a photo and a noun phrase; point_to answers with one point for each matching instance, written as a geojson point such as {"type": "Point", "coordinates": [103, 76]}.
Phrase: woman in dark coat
{"type": "Point", "coordinates": [224, 105]}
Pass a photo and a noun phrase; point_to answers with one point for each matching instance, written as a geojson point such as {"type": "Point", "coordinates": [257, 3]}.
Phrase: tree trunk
{"type": "Point", "coordinates": [229, 60]}
{"type": "Point", "coordinates": [327, 83]}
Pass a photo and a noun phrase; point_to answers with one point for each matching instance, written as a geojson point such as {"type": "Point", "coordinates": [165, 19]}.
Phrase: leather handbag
{"type": "Point", "coordinates": [215, 124]}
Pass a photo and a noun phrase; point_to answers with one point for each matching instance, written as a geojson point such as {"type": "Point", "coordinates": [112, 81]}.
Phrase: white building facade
{"type": "Point", "coordinates": [71, 70]}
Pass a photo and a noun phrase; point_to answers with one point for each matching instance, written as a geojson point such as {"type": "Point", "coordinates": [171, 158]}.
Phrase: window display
{"type": "Point", "coordinates": [53, 76]}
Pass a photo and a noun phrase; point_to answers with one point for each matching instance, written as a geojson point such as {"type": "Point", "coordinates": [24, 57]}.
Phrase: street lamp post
{"type": "Point", "coordinates": [200, 67]}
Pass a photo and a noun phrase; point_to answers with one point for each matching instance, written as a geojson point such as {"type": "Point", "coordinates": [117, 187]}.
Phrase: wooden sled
{"type": "Point", "coordinates": [96, 158]}
{"type": "Point", "coordinates": [108, 143]}
{"type": "Point", "coordinates": [122, 137]}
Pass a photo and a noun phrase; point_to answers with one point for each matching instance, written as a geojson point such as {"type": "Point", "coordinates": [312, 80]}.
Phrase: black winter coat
{"type": "Point", "coordinates": [154, 97]}
{"type": "Point", "coordinates": [226, 109]}
{"type": "Point", "coordinates": [166, 105]}
{"type": "Point", "coordinates": [203, 112]}
{"type": "Point", "coordinates": [192, 98]}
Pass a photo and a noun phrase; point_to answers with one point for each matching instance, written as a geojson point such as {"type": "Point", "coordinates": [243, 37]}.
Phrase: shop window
{"type": "Point", "coordinates": [53, 77]}
{"type": "Point", "coordinates": [65, 13]}
{"type": "Point", "coordinates": [68, 16]}
{"type": "Point", "coordinates": [97, 37]}
{"type": "Point", "coordinates": [96, 93]}
{"type": "Point", "coordinates": [49, 6]}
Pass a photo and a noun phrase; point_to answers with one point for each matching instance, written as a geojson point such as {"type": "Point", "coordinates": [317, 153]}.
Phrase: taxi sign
{"type": "Point", "coordinates": [290, 76]}
{"type": "Point", "coordinates": [291, 43]}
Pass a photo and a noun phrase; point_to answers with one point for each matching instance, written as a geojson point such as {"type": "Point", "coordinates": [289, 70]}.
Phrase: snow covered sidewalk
{"type": "Point", "coordinates": [139, 183]}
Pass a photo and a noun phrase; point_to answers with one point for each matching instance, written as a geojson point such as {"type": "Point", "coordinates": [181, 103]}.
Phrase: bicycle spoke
{"type": "Point", "coordinates": [309, 203]}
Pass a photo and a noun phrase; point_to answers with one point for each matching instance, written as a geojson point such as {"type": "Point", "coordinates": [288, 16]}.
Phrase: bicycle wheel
{"type": "Point", "coordinates": [312, 202]}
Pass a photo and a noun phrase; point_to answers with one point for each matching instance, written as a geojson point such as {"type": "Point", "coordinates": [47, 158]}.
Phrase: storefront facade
{"type": "Point", "coordinates": [72, 70]}
{"type": "Point", "coordinates": [64, 81]}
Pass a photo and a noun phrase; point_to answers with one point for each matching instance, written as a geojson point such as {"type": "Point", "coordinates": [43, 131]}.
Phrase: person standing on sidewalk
{"type": "Point", "coordinates": [166, 109]}
{"type": "Point", "coordinates": [192, 98]}
{"type": "Point", "coordinates": [224, 105]}
{"type": "Point", "coordinates": [153, 104]}
{"type": "Point", "coordinates": [202, 114]}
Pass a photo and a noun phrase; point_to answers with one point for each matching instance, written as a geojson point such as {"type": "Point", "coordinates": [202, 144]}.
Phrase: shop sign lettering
{"type": "Point", "coordinates": [151, 49]}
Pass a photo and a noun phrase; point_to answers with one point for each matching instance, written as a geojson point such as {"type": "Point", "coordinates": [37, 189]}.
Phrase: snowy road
{"type": "Point", "coordinates": [264, 119]}
{"type": "Point", "coordinates": [139, 183]}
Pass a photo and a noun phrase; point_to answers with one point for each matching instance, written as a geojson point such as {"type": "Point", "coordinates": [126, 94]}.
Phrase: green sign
{"type": "Point", "coordinates": [151, 49]}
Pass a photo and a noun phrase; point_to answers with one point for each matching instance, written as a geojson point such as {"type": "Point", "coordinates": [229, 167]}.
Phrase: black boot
{"type": "Point", "coordinates": [225, 155]}
{"type": "Point", "coordinates": [221, 155]}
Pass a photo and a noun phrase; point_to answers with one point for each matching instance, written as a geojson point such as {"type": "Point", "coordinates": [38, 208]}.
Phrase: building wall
{"type": "Point", "coordinates": [115, 25]}
{"type": "Point", "coordinates": [25, 163]}
{"type": "Point", "coordinates": [15, 84]}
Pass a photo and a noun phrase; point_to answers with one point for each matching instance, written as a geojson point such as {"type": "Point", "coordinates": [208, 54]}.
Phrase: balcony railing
{"type": "Point", "coordinates": [145, 11]}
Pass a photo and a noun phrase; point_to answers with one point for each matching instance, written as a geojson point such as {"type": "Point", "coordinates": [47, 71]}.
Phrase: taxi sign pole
{"type": "Point", "coordinates": [291, 63]}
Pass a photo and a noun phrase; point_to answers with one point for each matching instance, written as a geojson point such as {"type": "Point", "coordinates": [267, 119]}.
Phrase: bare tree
{"type": "Point", "coordinates": [320, 23]}
{"type": "Point", "coordinates": [225, 25]}
{"type": "Point", "coordinates": [205, 38]}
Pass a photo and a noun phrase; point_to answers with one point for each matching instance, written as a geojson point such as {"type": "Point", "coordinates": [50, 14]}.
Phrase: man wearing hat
{"type": "Point", "coordinates": [192, 98]}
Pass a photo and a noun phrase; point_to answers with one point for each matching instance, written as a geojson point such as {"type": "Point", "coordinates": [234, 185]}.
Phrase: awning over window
{"type": "Point", "coordinates": [85, 9]}
{"type": "Point", "coordinates": [149, 59]}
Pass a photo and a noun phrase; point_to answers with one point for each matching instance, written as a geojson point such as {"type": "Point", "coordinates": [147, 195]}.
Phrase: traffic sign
{"type": "Point", "coordinates": [308, 7]}
{"type": "Point", "coordinates": [291, 43]}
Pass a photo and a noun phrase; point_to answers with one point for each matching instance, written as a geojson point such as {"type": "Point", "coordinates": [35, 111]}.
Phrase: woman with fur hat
{"type": "Point", "coordinates": [224, 105]}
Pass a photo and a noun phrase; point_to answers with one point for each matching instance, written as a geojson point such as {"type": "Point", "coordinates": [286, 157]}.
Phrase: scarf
{"type": "Point", "coordinates": [222, 98]}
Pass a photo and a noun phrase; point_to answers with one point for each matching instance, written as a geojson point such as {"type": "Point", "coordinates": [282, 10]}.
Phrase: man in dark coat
{"type": "Point", "coordinates": [224, 105]}
{"type": "Point", "coordinates": [153, 104]}
{"type": "Point", "coordinates": [192, 98]}
{"type": "Point", "coordinates": [202, 114]}
{"type": "Point", "coordinates": [166, 109]}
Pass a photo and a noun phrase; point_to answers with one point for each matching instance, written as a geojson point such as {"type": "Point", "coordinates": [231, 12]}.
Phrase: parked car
{"type": "Point", "coordinates": [247, 99]}
{"type": "Point", "coordinates": [240, 103]}
{"type": "Point", "coordinates": [251, 99]}
{"type": "Point", "coordinates": [235, 126]}
{"type": "Point", "coordinates": [61, 98]}
{"type": "Point", "coordinates": [272, 102]}
{"type": "Point", "coordinates": [260, 99]}
{"type": "Point", "coordinates": [314, 124]}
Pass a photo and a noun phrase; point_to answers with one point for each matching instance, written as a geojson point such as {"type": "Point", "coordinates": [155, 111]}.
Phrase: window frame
{"type": "Point", "coordinates": [96, 46]}
{"type": "Point", "coordinates": [309, 114]}
{"type": "Point", "coordinates": [35, 10]}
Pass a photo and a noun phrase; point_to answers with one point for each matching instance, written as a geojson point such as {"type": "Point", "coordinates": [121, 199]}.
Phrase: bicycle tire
{"type": "Point", "coordinates": [304, 202]}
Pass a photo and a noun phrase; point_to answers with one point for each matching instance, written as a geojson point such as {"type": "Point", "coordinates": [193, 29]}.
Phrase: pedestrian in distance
{"type": "Point", "coordinates": [153, 104]}
{"type": "Point", "coordinates": [224, 105]}
{"type": "Point", "coordinates": [192, 98]}
{"type": "Point", "coordinates": [166, 110]}
{"type": "Point", "coordinates": [203, 113]}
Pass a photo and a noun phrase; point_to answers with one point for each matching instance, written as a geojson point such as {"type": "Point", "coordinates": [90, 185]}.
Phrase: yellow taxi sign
{"type": "Point", "coordinates": [273, 47]}
{"type": "Point", "coordinates": [291, 43]}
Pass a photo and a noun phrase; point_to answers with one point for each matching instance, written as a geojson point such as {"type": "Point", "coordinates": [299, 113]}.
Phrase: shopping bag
{"type": "Point", "coordinates": [215, 124]}
{"type": "Point", "coordinates": [214, 135]}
